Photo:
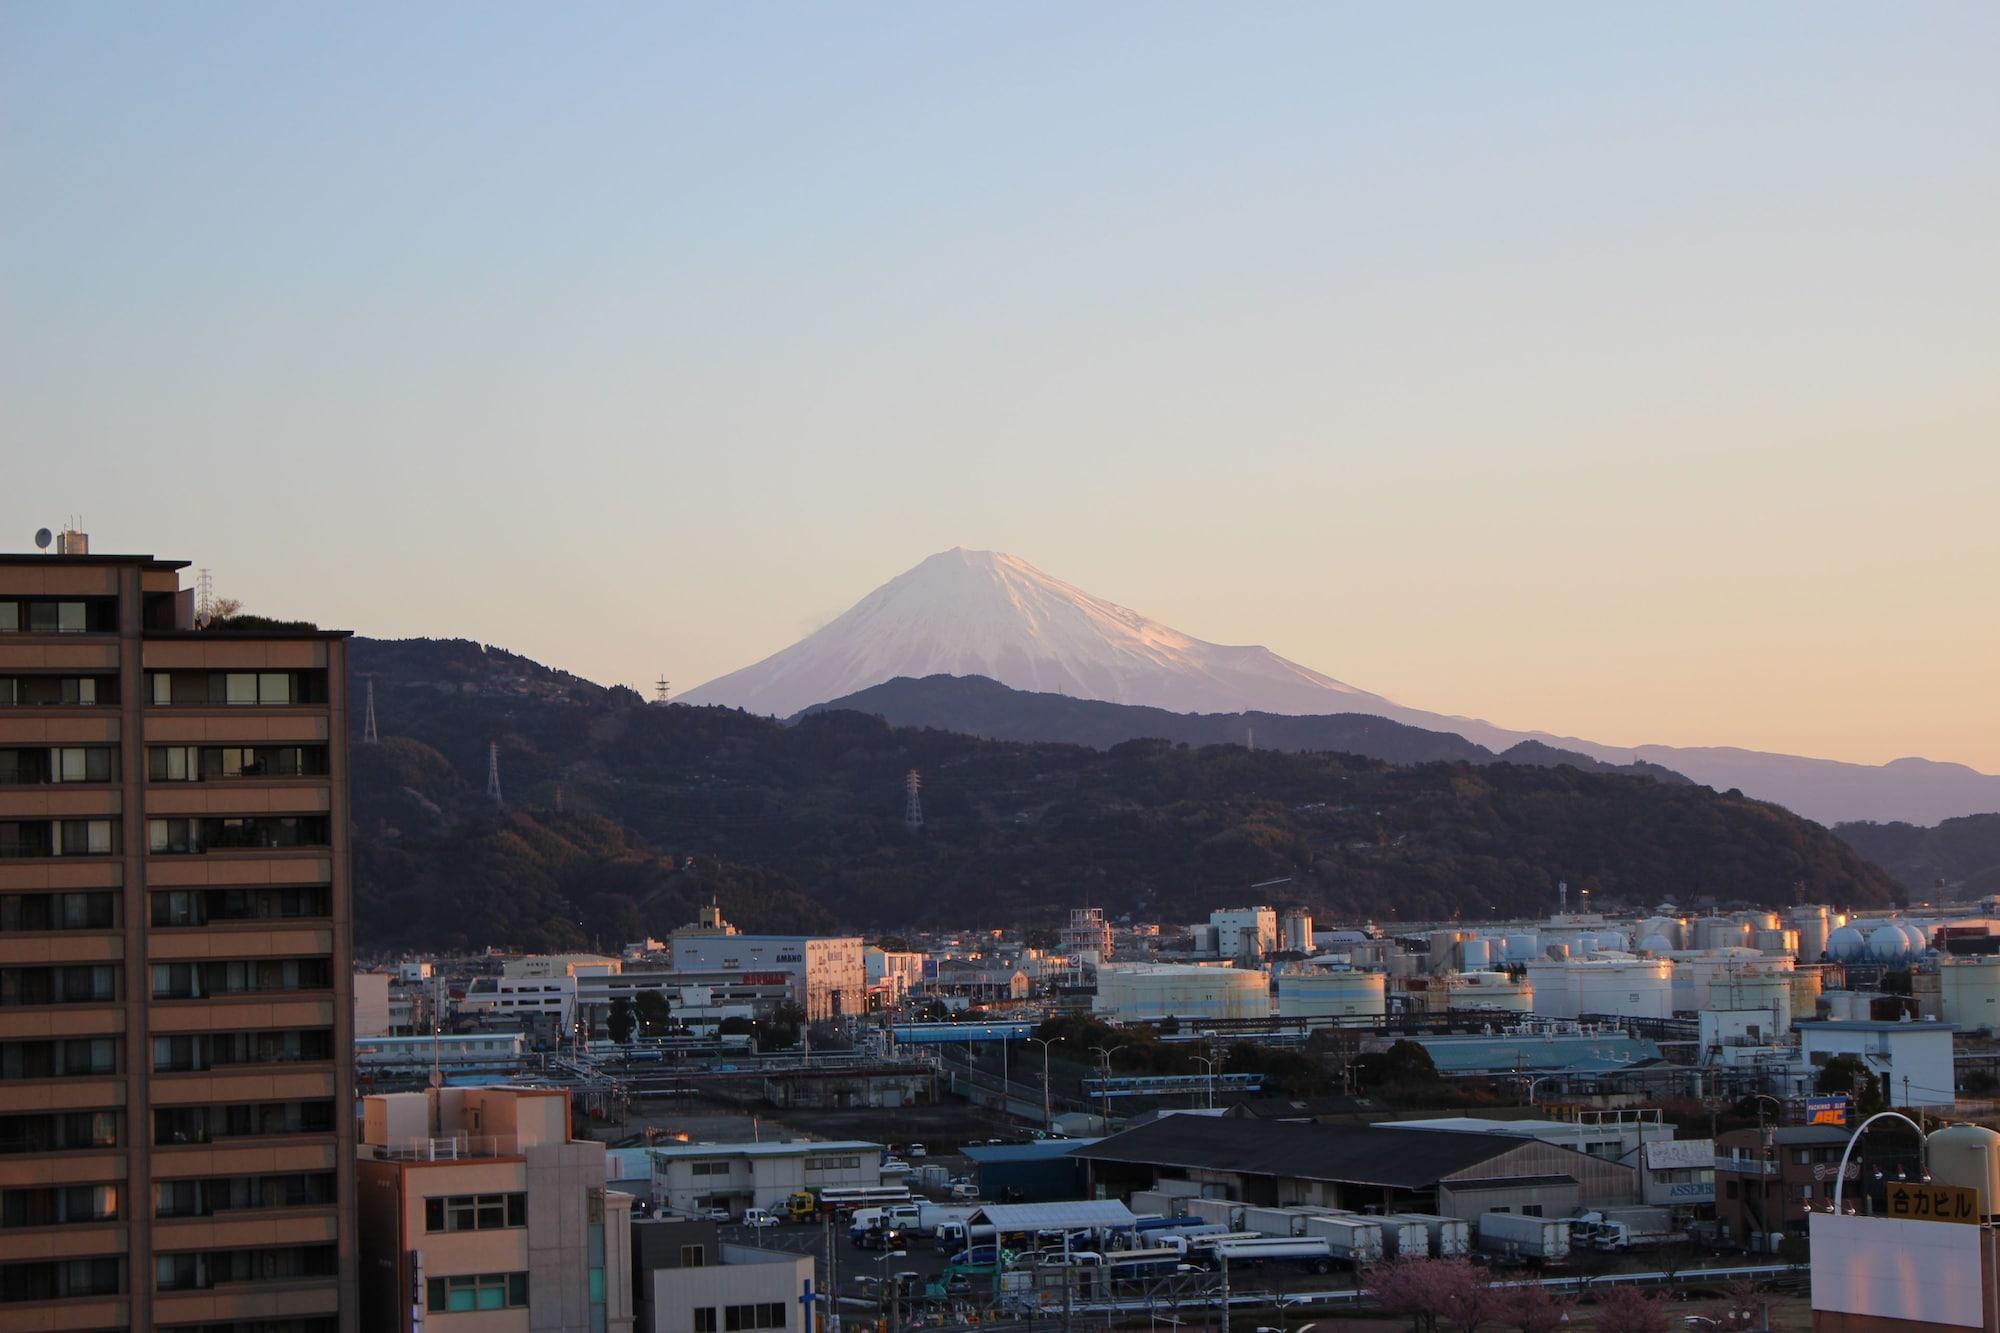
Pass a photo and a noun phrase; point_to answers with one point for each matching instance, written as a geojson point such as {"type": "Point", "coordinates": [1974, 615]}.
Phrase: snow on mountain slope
{"type": "Point", "coordinates": [983, 613]}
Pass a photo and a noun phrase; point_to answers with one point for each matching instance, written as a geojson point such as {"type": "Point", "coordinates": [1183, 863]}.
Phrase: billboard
{"type": "Point", "coordinates": [1826, 1110]}
{"type": "Point", "coordinates": [1923, 1272]}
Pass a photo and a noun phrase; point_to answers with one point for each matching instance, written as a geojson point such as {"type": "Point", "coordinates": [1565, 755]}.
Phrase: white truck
{"type": "Point", "coordinates": [1523, 1238]}
{"type": "Point", "coordinates": [1402, 1237]}
{"type": "Point", "coordinates": [1311, 1252]}
{"type": "Point", "coordinates": [1358, 1240]}
{"type": "Point", "coordinates": [1632, 1228]}
{"type": "Point", "coordinates": [1222, 1212]}
{"type": "Point", "coordinates": [1449, 1237]}
{"type": "Point", "coordinates": [1284, 1221]}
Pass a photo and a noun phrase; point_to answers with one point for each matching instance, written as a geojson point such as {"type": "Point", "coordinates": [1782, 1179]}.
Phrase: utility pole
{"type": "Point", "coordinates": [1048, 1115]}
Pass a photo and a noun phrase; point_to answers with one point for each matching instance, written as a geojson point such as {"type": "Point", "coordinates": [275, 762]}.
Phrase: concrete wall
{"type": "Point", "coordinates": [748, 1277]}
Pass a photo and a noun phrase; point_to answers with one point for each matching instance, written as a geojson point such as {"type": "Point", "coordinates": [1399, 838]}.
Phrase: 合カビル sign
{"type": "Point", "coordinates": [1914, 1201]}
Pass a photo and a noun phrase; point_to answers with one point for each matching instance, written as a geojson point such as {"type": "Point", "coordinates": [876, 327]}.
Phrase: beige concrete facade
{"type": "Point", "coordinates": [478, 1208]}
{"type": "Point", "coordinates": [176, 1067]}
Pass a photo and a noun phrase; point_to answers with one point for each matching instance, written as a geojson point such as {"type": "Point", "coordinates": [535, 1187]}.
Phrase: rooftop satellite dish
{"type": "Point", "coordinates": [42, 538]}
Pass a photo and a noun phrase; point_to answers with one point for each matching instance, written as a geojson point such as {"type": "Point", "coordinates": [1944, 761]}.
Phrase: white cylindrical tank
{"type": "Point", "coordinates": [1967, 1156]}
{"type": "Point", "coordinates": [1556, 950]}
{"type": "Point", "coordinates": [1520, 948]}
{"type": "Point", "coordinates": [1662, 927]}
{"type": "Point", "coordinates": [1807, 983]}
{"type": "Point", "coordinates": [1810, 922]}
{"type": "Point", "coordinates": [1332, 993]}
{"type": "Point", "coordinates": [1490, 990]}
{"type": "Point", "coordinates": [1846, 945]}
{"type": "Point", "coordinates": [1761, 920]}
{"type": "Point", "coordinates": [1777, 942]}
{"type": "Point", "coordinates": [1657, 944]}
{"type": "Point", "coordinates": [1478, 955]}
{"type": "Point", "coordinates": [1969, 992]}
{"type": "Point", "coordinates": [1137, 992]}
{"type": "Point", "coordinates": [1296, 927]}
{"type": "Point", "coordinates": [1717, 932]}
{"type": "Point", "coordinates": [1625, 987]}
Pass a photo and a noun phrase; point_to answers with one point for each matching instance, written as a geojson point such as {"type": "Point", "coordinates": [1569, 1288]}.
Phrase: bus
{"type": "Point", "coordinates": [845, 1200]}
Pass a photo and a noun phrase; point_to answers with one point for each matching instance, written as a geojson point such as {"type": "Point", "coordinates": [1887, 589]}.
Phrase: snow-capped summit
{"type": "Point", "coordinates": [986, 613]}
{"type": "Point", "coordinates": [983, 613]}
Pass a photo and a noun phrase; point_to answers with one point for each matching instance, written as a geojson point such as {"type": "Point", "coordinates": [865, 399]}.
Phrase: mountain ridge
{"type": "Point", "coordinates": [984, 613]}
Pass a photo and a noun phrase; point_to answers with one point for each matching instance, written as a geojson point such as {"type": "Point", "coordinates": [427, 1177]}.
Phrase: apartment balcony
{"type": "Point", "coordinates": [233, 1302]}
{"type": "Point", "coordinates": [241, 796]}
{"type": "Point", "coordinates": [80, 1313]}
{"type": "Point", "coordinates": [77, 1166]}
{"type": "Point", "coordinates": [239, 939]}
{"type": "Point", "coordinates": [47, 1021]}
{"type": "Point", "coordinates": [1747, 1166]}
{"type": "Point", "coordinates": [245, 1083]}
{"type": "Point", "coordinates": [55, 724]}
{"type": "Point", "coordinates": [220, 725]}
{"type": "Point", "coordinates": [61, 800]}
{"type": "Point", "coordinates": [37, 948]}
{"type": "Point", "coordinates": [61, 654]}
{"type": "Point", "coordinates": [248, 1228]}
{"type": "Point", "coordinates": [55, 873]}
{"type": "Point", "coordinates": [76, 1240]}
{"type": "Point", "coordinates": [23, 1096]}
{"type": "Point", "coordinates": [246, 1157]}
{"type": "Point", "coordinates": [253, 1011]}
{"type": "Point", "coordinates": [232, 869]}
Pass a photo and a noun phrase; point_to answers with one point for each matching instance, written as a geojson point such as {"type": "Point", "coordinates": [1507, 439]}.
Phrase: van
{"type": "Point", "coordinates": [964, 1193]}
{"type": "Point", "coordinates": [759, 1217]}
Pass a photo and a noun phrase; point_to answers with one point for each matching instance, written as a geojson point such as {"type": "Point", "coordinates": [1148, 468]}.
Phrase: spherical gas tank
{"type": "Point", "coordinates": [1888, 944]}
{"type": "Point", "coordinates": [1920, 939]}
{"type": "Point", "coordinates": [1967, 1156]}
{"type": "Point", "coordinates": [1846, 945]}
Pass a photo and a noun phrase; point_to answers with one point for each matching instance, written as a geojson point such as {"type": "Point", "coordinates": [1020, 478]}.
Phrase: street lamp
{"type": "Point", "coordinates": [1208, 1065]}
{"type": "Point", "coordinates": [896, 1296]}
{"type": "Point", "coordinates": [1840, 1177]}
{"type": "Point", "coordinates": [1048, 1116]}
{"type": "Point", "coordinates": [1106, 1098]}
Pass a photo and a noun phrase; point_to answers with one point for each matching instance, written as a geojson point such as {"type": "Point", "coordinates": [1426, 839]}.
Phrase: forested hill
{"type": "Point", "coordinates": [606, 797]}
{"type": "Point", "coordinates": [1959, 860]}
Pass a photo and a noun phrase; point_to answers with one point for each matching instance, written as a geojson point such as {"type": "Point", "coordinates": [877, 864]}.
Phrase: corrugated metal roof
{"type": "Point", "coordinates": [1346, 1154]}
{"type": "Point", "coordinates": [1039, 1151]}
{"type": "Point", "coordinates": [1056, 1216]}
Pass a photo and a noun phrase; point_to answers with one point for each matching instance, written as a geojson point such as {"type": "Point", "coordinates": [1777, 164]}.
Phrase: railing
{"type": "Point", "coordinates": [1746, 1166]}
{"type": "Point", "coordinates": [458, 1147]}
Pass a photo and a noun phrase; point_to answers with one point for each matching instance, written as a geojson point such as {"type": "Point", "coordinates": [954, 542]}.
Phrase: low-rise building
{"type": "Point", "coordinates": [549, 998]}
{"type": "Point", "coordinates": [824, 974]}
{"type": "Point", "coordinates": [1913, 1061]}
{"type": "Point", "coordinates": [689, 1281]}
{"type": "Point", "coordinates": [692, 1178]}
{"type": "Point", "coordinates": [479, 1211]}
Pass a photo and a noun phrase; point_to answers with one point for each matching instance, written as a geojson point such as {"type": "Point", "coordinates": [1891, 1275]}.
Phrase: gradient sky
{"type": "Point", "coordinates": [1631, 372]}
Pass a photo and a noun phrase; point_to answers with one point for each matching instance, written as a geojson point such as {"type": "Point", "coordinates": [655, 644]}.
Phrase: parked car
{"type": "Point", "coordinates": [718, 1215]}
{"type": "Point", "coordinates": [964, 1193]}
{"type": "Point", "coordinates": [759, 1217]}
{"type": "Point", "coordinates": [917, 1150]}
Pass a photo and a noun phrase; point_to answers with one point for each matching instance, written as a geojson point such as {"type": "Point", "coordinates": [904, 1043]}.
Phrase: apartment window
{"type": "Point", "coordinates": [59, 1131]}
{"type": "Point", "coordinates": [709, 1169]}
{"type": "Point", "coordinates": [704, 1319]}
{"type": "Point", "coordinates": [243, 976]}
{"type": "Point", "coordinates": [174, 1125]}
{"type": "Point", "coordinates": [216, 1050]}
{"type": "Point", "coordinates": [61, 1279]}
{"type": "Point", "coordinates": [196, 763]}
{"type": "Point", "coordinates": [36, 765]}
{"type": "Point", "coordinates": [260, 832]}
{"type": "Point", "coordinates": [58, 1205]}
{"type": "Point", "coordinates": [92, 615]}
{"type": "Point", "coordinates": [742, 1318]}
{"type": "Point", "coordinates": [76, 984]}
{"type": "Point", "coordinates": [220, 1194]}
{"type": "Point", "coordinates": [1802, 1157]}
{"type": "Point", "coordinates": [54, 691]}
{"type": "Point", "coordinates": [59, 837]}
{"type": "Point", "coordinates": [694, 1256]}
{"type": "Point", "coordinates": [67, 1058]}
{"type": "Point", "coordinates": [86, 837]}
{"type": "Point", "coordinates": [58, 911]}
{"type": "Point", "coordinates": [475, 1212]}
{"type": "Point", "coordinates": [1806, 1192]}
{"type": "Point", "coordinates": [481, 1291]}
{"type": "Point", "coordinates": [235, 688]}
{"type": "Point", "coordinates": [198, 907]}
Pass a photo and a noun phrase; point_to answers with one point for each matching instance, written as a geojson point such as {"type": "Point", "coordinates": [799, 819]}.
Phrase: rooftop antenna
{"type": "Point", "coordinates": [913, 803]}
{"type": "Point", "coordinates": [493, 772]}
{"type": "Point", "coordinates": [1562, 897]}
{"type": "Point", "coordinates": [660, 690]}
{"type": "Point", "coordinates": [42, 539]}
{"type": "Point", "coordinates": [369, 735]}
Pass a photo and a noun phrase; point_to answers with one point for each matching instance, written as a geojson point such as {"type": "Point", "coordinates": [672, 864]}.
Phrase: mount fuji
{"type": "Point", "coordinates": [985, 613]}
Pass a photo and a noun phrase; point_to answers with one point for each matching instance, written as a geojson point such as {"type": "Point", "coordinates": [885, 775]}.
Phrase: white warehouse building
{"type": "Point", "coordinates": [1141, 992]}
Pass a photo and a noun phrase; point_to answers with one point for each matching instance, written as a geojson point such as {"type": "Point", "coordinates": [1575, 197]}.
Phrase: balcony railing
{"type": "Point", "coordinates": [457, 1147]}
{"type": "Point", "coordinates": [1747, 1166]}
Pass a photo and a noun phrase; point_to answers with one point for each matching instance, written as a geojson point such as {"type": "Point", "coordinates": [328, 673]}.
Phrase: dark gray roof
{"type": "Point", "coordinates": [1506, 1183]}
{"type": "Point", "coordinates": [1349, 1154]}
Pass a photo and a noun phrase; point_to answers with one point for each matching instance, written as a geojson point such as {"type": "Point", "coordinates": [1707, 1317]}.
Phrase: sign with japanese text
{"type": "Point", "coordinates": [1826, 1110]}
{"type": "Point", "coordinates": [1914, 1201]}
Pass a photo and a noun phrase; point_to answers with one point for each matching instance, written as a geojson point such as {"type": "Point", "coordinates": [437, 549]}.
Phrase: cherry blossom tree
{"type": "Point", "coordinates": [1626, 1309]}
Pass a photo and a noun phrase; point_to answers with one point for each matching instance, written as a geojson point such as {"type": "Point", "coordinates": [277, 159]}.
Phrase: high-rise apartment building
{"type": "Point", "coordinates": [176, 1007]}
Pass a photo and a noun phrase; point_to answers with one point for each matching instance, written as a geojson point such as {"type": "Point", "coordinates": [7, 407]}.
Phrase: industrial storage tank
{"type": "Point", "coordinates": [1716, 932]}
{"type": "Point", "coordinates": [1761, 920]}
{"type": "Point", "coordinates": [1556, 950]}
{"type": "Point", "coordinates": [1967, 1156]}
{"type": "Point", "coordinates": [1657, 944]}
{"type": "Point", "coordinates": [1296, 930]}
{"type": "Point", "coordinates": [1662, 927]}
{"type": "Point", "coordinates": [1920, 938]}
{"type": "Point", "coordinates": [1807, 983]}
{"type": "Point", "coordinates": [1969, 992]}
{"type": "Point", "coordinates": [1777, 943]}
{"type": "Point", "coordinates": [1811, 924]}
{"type": "Point", "coordinates": [1332, 993]}
{"type": "Point", "coordinates": [1847, 945]}
{"type": "Point", "coordinates": [1478, 955]}
{"type": "Point", "coordinates": [1140, 992]}
{"type": "Point", "coordinates": [1490, 990]}
{"type": "Point", "coordinates": [1519, 948]}
{"type": "Point", "coordinates": [1625, 987]}
{"type": "Point", "coordinates": [1888, 944]}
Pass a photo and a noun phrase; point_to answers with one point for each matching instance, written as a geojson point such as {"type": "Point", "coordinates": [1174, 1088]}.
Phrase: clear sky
{"type": "Point", "coordinates": [1627, 371]}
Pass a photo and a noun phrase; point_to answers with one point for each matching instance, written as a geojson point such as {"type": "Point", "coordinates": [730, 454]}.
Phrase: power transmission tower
{"type": "Point", "coordinates": [913, 803]}
{"type": "Point", "coordinates": [660, 690]}
{"type": "Point", "coordinates": [204, 598]}
{"type": "Point", "coordinates": [369, 736]}
{"type": "Point", "coordinates": [493, 771]}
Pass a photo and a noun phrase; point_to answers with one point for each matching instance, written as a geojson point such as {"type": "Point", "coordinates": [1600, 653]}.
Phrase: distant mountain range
{"type": "Point", "coordinates": [977, 706]}
{"type": "Point", "coordinates": [621, 816]}
{"type": "Point", "coordinates": [984, 613]}
{"type": "Point", "coordinates": [1961, 855]}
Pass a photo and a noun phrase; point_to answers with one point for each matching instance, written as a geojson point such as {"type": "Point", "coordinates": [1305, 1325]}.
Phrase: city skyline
{"type": "Point", "coordinates": [1622, 375]}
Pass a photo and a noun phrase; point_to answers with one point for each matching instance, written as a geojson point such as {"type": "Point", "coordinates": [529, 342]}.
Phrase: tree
{"type": "Point", "coordinates": [1433, 1292]}
{"type": "Point", "coordinates": [1626, 1309]}
{"type": "Point", "coordinates": [1040, 937]}
{"type": "Point", "coordinates": [1846, 1073]}
{"type": "Point", "coordinates": [654, 1013]}
{"type": "Point", "coordinates": [1530, 1307]}
{"type": "Point", "coordinates": [781, 1029]}
{"type": "Point", "coordinates": [619, 1021]}
{"type": "Point", "coordinates": [1404, 1064]}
